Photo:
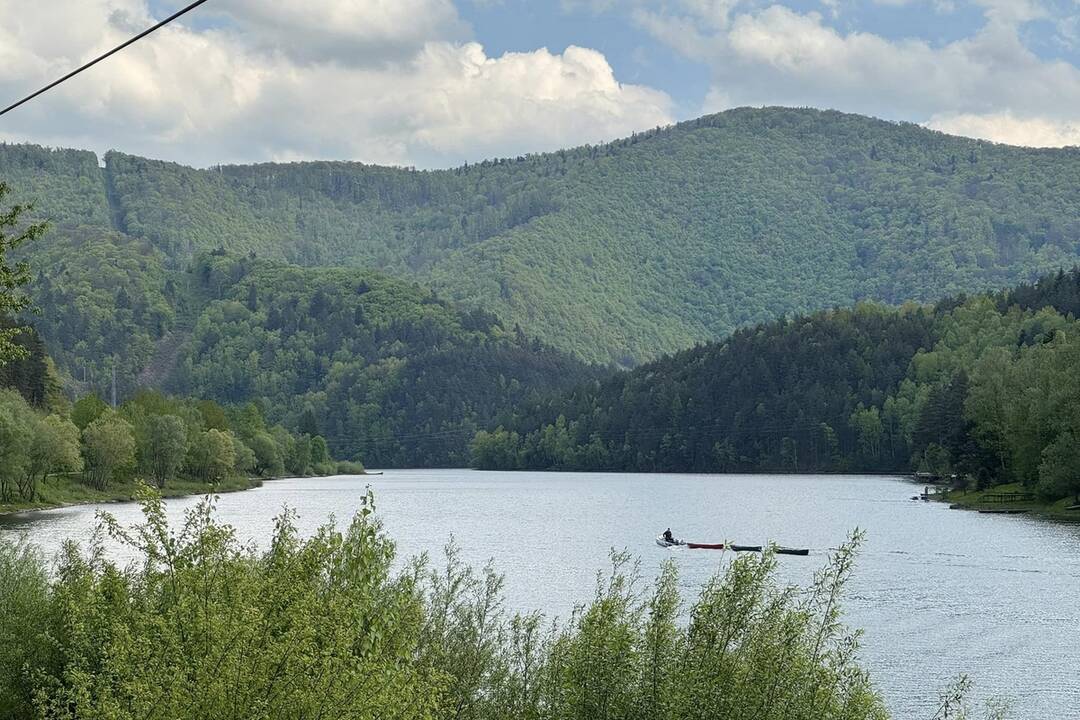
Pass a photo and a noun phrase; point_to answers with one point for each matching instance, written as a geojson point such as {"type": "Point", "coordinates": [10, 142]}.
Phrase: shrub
{"type": "Point", "coordinates": [327, 627]}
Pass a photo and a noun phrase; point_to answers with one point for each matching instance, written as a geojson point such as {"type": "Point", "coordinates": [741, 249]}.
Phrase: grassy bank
{"type": "Point", "coordinates": [61, 491]}
{"type": "Point", "coordinates": [990, 500]}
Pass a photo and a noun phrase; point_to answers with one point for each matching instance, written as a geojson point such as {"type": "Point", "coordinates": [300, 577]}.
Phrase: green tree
{"type": "Point", "coordinates": [213, 415]}
{"type": "Point", "coordinates": [14, 439]}
{"type": "Point", "coordinates": [335, 624]}
{"type": "Point", "coordinates": [936, 460]}
{"type": "Point", "coordinates": [267, 455]}
{"type": "Point", "coordinates": [724, 455]}
{"type": "Point", "coordinates": [789, 454]}
{"type": "Point", "coordinates": [1059, 473]}
{"type": "Point", "coordinates": [28, 608]}
{"type": "Point", "coordinates": [245, 457]}
{"type": "Point", "coordinates": [162, 447]}
{"type": "Point", "coordinates": [13, 275]}
{"type": "Point", "coordinates": [498, 450]}
{"type": "Point", "coordinates": [866, 422]}
{"type": "Point", "coordinates": [86, 410]}
{"type": "Point", "coordinates": [52, 447]}
{"type": "Point", "coordinates": [308, 424]}
{"type": "Point", "coordinates": [211, 456]}
{"type": "Point", "coordinates": [299, 460]}
{"type": "Point", "coordinates": [320, 453]}
{"type": "Point", "coordinates": [108, 449]}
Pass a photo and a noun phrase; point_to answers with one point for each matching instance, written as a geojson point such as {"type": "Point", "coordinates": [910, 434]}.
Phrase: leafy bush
{"type": "Point", "coordinates": [326, 626]}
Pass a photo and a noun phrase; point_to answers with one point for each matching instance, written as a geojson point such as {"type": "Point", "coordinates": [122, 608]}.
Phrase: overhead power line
{"type": "Point", "coordinates": [95, 61]}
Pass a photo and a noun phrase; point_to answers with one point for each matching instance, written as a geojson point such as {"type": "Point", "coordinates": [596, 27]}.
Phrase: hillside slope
{"type": "Point", "coordinates": [985, 387]}
{"type": "Point", "coordinates": [624, 251]}
{"type": "Point", "coordinates": [384, 369]}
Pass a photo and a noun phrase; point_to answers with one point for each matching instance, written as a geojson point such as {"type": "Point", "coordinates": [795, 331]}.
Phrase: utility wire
{"type": "Point", "coordinates": [115, 50]}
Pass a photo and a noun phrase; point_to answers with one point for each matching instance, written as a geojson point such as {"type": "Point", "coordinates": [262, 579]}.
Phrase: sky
{"type": "Point", "coordinates": [436, 83]}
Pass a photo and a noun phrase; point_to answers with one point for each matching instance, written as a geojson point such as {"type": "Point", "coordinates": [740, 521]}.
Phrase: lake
{"type": "Point", "coordinates": [936, 591]}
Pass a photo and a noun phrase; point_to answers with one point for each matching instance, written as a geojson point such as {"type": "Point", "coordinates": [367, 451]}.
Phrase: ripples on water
{"type": "Point", "coordinates": [936, 591]}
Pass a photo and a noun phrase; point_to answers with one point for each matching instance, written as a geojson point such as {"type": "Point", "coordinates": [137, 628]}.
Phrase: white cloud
{"type": "Point", "coordinates": [779, 56]}
{"type": "Point", "coordinates": [347, 31]}
{"type": "Point", "coordinates": [450, 104]}
{"type": "Point", "coordinates": [222, 95]}
{"type": "Point", "coordinates": [1007, 128]}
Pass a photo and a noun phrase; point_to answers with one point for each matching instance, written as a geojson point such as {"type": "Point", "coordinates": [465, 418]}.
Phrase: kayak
{"type": "Point", "coordinates": [746, 548]}
{"type": "Point", "coordinates": [792, 551]}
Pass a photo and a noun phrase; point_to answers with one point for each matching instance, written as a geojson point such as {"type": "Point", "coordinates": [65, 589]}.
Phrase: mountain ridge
{"type": "Point", "coordinates": [624, 251]}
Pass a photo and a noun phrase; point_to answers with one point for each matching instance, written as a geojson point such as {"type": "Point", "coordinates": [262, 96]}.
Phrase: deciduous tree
{"type": "Point", "coordinates": [108, 449]}
{"type": "Point", "coordinates": [14, 231]}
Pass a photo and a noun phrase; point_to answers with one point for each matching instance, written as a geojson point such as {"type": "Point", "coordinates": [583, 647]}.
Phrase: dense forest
{"type": "Point", "coordinates": [216, 284]}
{"type": "Point", "coordinates": [384, 370]}
{"type": "Point", "coordinates": [394, 373]}
{"type": "Point", "coordinates": [983, 388]}
{"type": "Point", "coordinates": [619, 252]}
{"type": "Point", "coordinates": [53, 452]}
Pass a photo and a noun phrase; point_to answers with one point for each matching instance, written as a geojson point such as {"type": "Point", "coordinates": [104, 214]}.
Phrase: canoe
{"type": "Point", "coordinates": [692, 546]}
{"type": "Point", "coordinates": [792, 551]}
{"type": "Point", "coordinates": [720, 546]}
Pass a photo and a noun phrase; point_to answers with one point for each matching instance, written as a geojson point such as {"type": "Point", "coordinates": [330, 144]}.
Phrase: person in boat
{"type": "Point", "coordinates": [668, 537]}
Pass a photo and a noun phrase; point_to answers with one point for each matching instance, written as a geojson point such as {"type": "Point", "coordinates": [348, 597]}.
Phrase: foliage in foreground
{"type": "Point", "coordinates": [331, 626]}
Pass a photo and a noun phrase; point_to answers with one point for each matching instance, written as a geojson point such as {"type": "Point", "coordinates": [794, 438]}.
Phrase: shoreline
{"type": "Point", "coordinates": [72, 493]}
{"type": "Point", "coordinates": [978, 501]}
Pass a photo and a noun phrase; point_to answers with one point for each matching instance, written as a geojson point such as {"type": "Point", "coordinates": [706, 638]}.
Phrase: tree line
{"type": "Point", "coordinates": [152, 437]}
{"type": "Point", "coordinates": [982, 388]}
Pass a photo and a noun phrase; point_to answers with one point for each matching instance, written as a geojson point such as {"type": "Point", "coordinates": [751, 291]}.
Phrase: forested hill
{"type": "Point", "coordinates": [382, 368]}
{"type": "Point", "coordinates": [986, 387]}
{"type": "Point", "coordinates": [628, 250]}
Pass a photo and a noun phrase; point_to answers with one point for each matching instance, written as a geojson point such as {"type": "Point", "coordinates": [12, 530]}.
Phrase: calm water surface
{"type": "Point", "coordinates": [937, 591]}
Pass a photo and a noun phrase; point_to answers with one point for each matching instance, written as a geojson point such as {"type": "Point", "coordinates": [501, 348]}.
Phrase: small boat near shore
{"type": "Point", "coordinates": [688, 545]}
